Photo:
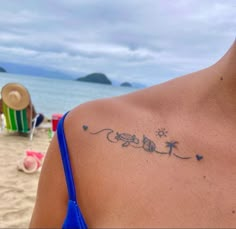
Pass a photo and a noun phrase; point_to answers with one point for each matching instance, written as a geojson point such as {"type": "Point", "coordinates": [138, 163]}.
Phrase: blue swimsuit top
{"type": "Point", "coordinates": [74, 217]}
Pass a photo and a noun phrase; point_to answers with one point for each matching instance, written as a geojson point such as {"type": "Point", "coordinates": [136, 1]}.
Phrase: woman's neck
{"type": "Point", "coordinates": [226, 66]}
{"type": "Point", "coordinates": [225, 72]}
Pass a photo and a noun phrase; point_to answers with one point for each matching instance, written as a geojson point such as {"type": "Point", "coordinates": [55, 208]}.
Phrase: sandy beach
{"type": "Point", "coordinates": [18, 189]}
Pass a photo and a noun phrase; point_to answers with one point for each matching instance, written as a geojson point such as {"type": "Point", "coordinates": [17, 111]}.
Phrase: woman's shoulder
{"type": "Point", "coordinates": [106, 109]}
{"type": "Point", "coordinates": [121, 110]}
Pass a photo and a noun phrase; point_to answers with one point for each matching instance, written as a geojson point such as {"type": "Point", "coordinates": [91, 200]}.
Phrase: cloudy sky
{"type": "Point", "coordinates": [145, 41]}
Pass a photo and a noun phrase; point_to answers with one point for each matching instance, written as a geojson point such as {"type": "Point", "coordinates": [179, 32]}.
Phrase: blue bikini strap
{"type": "Point", "coordinates": [65, 159]}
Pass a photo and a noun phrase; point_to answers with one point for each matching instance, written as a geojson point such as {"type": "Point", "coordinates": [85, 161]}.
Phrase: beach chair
{"type": "Point", "coordinates": [2, 122]}
{"type": "Point", "coordinates": [17, 109]}
{"type": "Point", "coordinates": [16, 121]}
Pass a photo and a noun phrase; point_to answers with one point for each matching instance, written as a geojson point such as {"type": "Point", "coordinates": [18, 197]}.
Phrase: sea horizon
{"type": "Point", "coordinates": [54, 95]}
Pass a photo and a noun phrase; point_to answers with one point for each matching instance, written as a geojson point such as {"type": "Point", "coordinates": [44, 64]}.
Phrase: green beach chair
{"type": "Point", "coordinates": [16, 121]}
{"type": "Point", "coordinates": [17, 109]}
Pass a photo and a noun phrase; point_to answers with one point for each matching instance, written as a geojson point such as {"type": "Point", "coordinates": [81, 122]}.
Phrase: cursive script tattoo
{"type": "Point", "coordinates": [148, 145]}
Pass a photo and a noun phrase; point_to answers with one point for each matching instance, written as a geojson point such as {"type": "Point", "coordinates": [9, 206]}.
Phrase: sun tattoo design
{"type": "Point", "coordinates": [145, 143]}
{"type": "Point", "coordinates": [161, 132]}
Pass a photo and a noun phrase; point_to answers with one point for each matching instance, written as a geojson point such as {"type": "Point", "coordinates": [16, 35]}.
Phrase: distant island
{"type": "Point", "coordinates": [35, 71]}
{"type": "Point", "coordinates": [2, 69]}
{"type": "Point", "coordinates": [95, 78]}
{"type": "Point", "coordinates": [126, 84]}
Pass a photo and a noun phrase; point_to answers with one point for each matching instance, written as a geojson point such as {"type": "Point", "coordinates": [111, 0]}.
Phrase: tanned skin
{"type": "Point", "coordinates": [160, 157]}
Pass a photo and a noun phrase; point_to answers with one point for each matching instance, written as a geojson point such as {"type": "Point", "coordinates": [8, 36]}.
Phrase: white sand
{"type": "Point", "coordinates": [17, 189]}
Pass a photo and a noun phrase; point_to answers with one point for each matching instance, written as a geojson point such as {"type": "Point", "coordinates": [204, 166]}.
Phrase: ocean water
{"type": "Point", "coordinates": [52, 96]}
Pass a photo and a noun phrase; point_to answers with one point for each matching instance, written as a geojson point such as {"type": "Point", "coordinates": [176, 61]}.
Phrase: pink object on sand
{"type": "Point", "coordinates": [38, 155]}
{"type": "Point", "coordinates": [29, 163]}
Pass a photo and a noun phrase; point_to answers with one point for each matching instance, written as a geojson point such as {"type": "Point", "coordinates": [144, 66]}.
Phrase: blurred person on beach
{"type": "Point", "coordinates": [17, 97]}
{"type": "Point", "coordinates": [160, 157]}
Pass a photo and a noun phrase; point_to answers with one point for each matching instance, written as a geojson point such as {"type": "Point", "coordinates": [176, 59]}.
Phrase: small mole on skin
{"type": "Point", "coordinates": [204, 177]}
{"type": "Point", "coordinates": [221, 78]}
{"type": "Point", "coordinates": [85, 127]}
{"type": "Point", "coordinates": [233, 211]}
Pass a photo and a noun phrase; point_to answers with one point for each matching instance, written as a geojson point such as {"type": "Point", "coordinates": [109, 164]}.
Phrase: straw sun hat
{"type": "Point", "coordinates": [15, 96]}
